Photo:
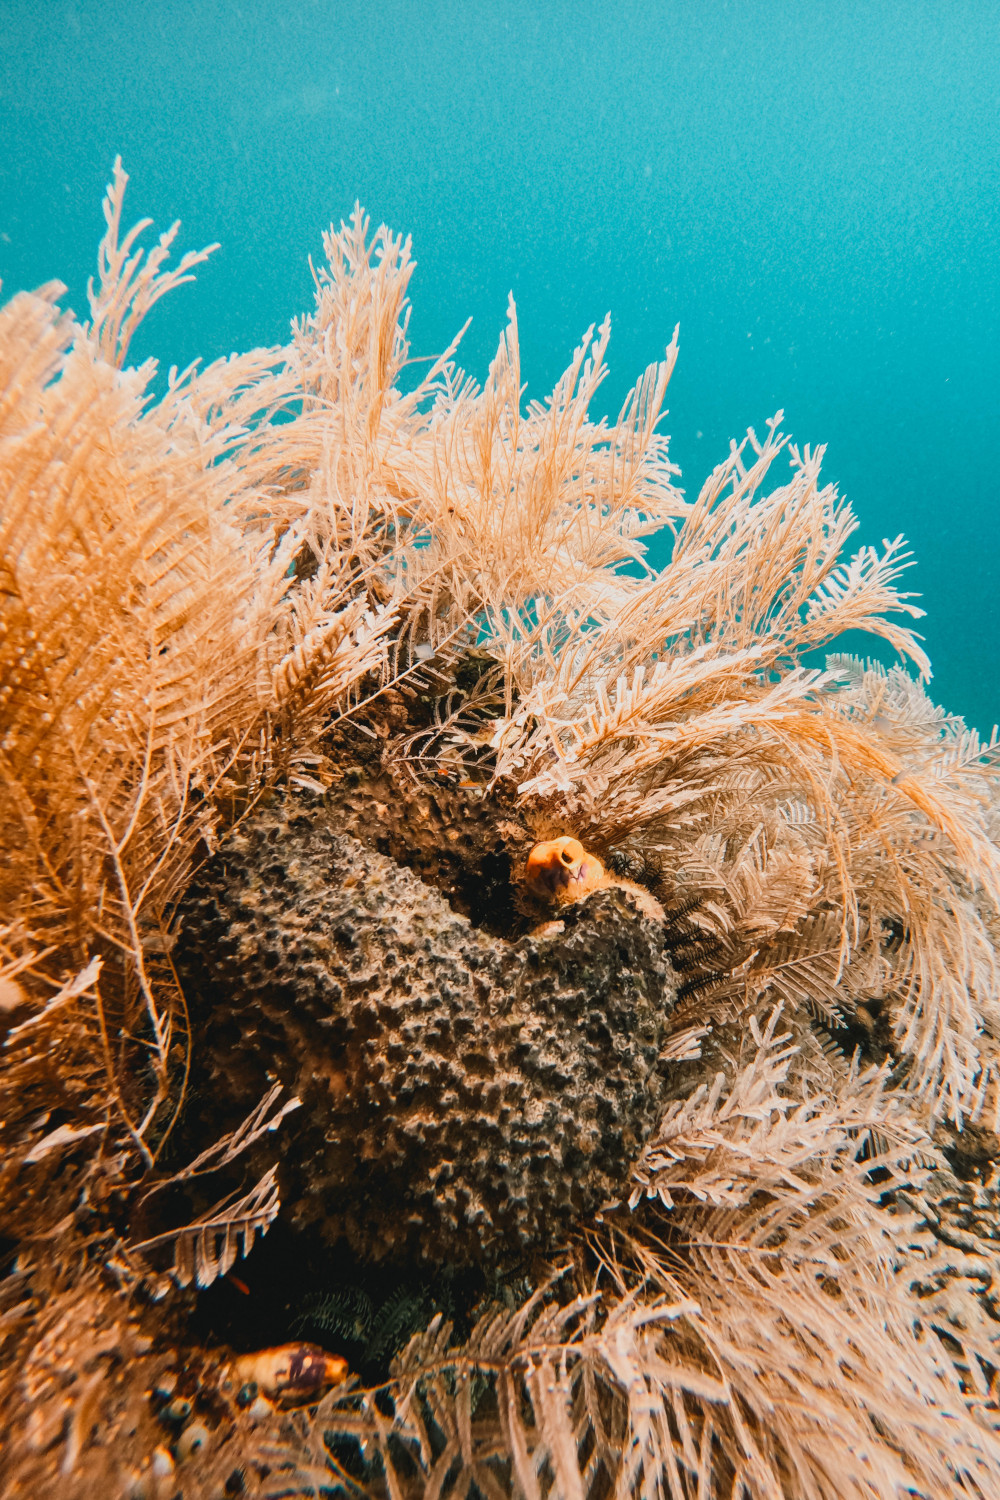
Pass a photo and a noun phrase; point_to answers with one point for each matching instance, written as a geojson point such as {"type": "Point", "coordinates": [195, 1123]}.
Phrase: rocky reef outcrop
{"type": "Point", "coordinates": [463, 1096]}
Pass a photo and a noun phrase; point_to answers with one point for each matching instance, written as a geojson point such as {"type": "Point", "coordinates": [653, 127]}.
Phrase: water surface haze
{"type": "Point", "coordinates": [810, 190]}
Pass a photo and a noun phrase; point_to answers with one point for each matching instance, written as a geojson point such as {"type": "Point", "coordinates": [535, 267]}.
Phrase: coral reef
{"type": "Point", "coordinates": [299, 659]}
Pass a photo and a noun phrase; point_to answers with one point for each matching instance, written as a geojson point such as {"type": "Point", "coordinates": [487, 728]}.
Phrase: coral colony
{"type": "Point", "coordinates": [481, 1016]}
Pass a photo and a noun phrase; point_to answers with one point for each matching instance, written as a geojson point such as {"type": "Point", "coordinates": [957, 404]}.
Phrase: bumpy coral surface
{"type": "Point", "coordinates": [461, 1094]}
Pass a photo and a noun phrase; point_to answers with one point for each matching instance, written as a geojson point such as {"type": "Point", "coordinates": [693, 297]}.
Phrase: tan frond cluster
{"type": "Point", "coordinates": [200, 582]}
{"type": "Point", "coordinates": [805, 816]}
{"type": "Point", "coordinates": [811, 1279]}
{"type": "Point", "coordinates": [160, 657]}
{"type": "Point", "coordinates": [775, 1338]}
{"type": "Point", "coordinates": [131, 280]}
{"type": "Point", "coordinates": [539, 510]}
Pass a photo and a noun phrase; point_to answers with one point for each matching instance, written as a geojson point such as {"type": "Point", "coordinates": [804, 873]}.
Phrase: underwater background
{"type": "Point", "coordinates": [810, 189]}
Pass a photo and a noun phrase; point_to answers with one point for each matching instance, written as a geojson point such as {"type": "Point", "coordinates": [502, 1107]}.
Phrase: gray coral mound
{"type": "Point", "coordinates": [462, 1095]}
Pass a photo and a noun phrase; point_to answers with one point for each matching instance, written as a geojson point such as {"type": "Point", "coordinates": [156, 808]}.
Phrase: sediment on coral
{"type": "Point", "coordinates": [461, 1095]}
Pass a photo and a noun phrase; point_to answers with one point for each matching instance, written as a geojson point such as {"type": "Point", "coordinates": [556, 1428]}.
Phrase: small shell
{"type": "Point", "coordinates": [177, 1410]}
{"type": "Point", "coordinates": [163, 1463]}
{"type": "Point", "coordinates": [194, 1436]}
{"type": "Point", "coordinates": [162, 1482]}
{"type": "Point", "coordinates": [289, 1372]}
{"type": "Point", "coordinates": [12, 996]}
{"type": "Point", "coordinates": [156, 1483]}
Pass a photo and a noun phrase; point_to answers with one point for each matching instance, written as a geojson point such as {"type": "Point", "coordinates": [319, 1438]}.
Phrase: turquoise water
{"type": "Point", "coordinates": [811, 189]}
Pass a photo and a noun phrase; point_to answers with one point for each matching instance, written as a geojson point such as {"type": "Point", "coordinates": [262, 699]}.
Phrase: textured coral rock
{"type": "Point", "coordinates": [461, 1094]}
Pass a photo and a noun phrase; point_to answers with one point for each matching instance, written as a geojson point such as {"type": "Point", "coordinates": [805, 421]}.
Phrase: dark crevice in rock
{"type": "Point", "coordinates": [458, 837]}
{"type": "Point", "coordinates": [296, 1285]}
